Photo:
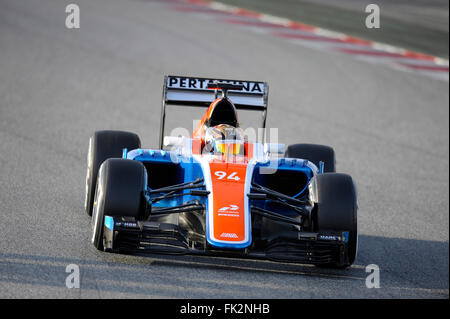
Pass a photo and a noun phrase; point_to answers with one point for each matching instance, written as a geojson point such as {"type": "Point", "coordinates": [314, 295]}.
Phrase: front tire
{"type": "Point", "coordinates": [104, 145]}
{"type": "Point", "coordinates": [336, 209]}
{"type": "Point", "coordinates": [119, 193]}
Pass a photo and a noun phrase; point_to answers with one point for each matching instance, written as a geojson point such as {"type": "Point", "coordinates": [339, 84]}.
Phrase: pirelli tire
{"type": "Point", "coordinates": [314, 153]}
{"type": "Point", "coordinates": [104, 145]}
{"type": "Point", "coordinates": [336, 210]}
{"type": "Point", "coordinates": [119, 193]}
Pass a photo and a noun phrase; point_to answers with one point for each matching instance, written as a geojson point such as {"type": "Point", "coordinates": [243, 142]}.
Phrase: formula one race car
{"type": "Point", "coordinates": [215, 192]}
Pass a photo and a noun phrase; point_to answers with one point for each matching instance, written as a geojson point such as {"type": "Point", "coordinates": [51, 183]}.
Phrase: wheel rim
{"type": "Point", "coordinates": [88, 179]}
{"type": "Point", "coordinates": [96, 222]}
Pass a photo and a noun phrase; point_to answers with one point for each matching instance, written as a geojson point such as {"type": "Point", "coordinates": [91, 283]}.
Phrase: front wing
{"type": "Point", "coordinates": [155, 237]}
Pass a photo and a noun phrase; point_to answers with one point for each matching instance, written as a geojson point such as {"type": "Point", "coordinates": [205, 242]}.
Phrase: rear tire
{"type": "Point", "coordinates": [314, 153]}
{"type": "Point", "coordinates": [337, 209]}
{"type": "Point", "coordinates": [104, 145]}
{"type": "Point", "coordinates": [118, 193]}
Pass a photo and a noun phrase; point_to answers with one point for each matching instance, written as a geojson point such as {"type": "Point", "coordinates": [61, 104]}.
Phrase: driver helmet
{"type": "Point", "coordinates": [224, 139]}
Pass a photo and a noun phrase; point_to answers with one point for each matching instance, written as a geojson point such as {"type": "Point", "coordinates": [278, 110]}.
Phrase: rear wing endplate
{"type": "Point", "coordinates": [194, 92]}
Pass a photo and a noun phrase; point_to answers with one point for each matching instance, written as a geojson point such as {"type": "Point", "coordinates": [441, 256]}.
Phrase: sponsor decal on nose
{"type": "Point", "coordinates": [229, 235]}
{"type": "Point", "coordinates": [229, 208]}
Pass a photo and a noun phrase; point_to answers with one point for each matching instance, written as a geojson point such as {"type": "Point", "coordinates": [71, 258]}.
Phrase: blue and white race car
{"type": "Point", "coordinates": [217, 193]}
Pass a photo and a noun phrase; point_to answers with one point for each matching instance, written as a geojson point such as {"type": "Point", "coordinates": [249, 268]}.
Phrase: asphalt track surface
{"type": "Point", "coordinates": [389, 128]}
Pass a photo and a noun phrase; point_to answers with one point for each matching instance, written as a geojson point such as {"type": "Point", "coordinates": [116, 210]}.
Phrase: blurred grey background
{"type": "Point", "coordinates": [419, 25]}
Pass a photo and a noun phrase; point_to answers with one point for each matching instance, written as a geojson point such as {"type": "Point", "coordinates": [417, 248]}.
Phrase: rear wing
{"type": "Point", "coordinates": [194, 92]}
